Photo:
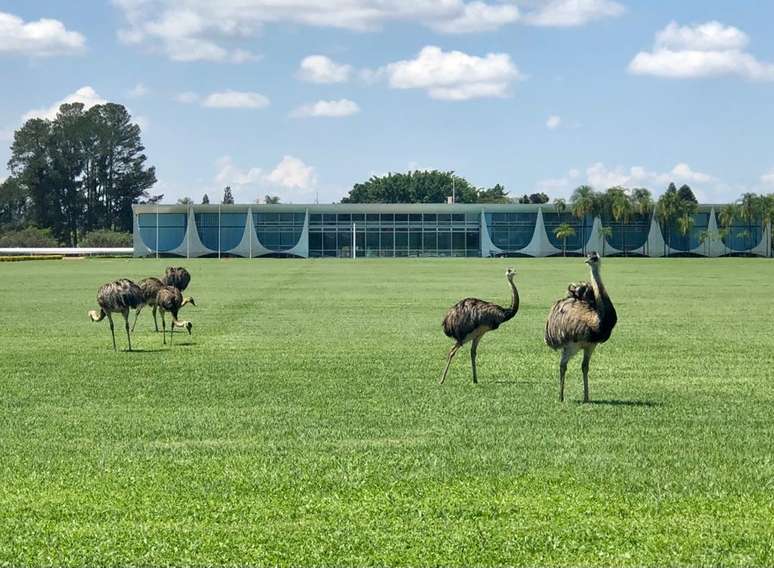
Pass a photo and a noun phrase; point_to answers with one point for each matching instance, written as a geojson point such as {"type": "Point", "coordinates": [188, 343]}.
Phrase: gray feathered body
{"type": "Point", "coordinates": [580, 317]}
{"type": "Point", "coordinates": [119, 296]}
{"type": "Point", "coordinates": [150, 289]}
{"type": "Point", "coordinates": [468, 315]}
{"type": "Point", "coordinates": [170, 299]}
{"type": "Point", "coordinates": [178, 277]}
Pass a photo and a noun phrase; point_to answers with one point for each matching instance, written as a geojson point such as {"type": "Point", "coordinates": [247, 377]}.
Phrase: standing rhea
{"type": "Point", "coordinates": [178, 277]}
{"type": "Point", "coordinates": [169, 299]}
{"type": "Point", "coordinates": [581, 320]}
{"type": "Point", "coordinates": [150, 289]}
{"type": "Point", "coordinates": [471, 318]}
{"type": "Point", "coordinates": [117, 297]}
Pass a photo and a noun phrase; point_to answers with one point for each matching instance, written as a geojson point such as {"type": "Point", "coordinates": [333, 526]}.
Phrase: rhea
{"type": "Point", "coordinates": [469, 319]}
{"type": "Point", "coordinates": [178, 277]}
{"type": "Point", "coordinates": [117, 297]}
{"type": "Point", "coordinates": [150, 289]}
{"type": "Point", "coordinates": [170, 299]}
{"type": "Point", "coordinates": [581, 320]}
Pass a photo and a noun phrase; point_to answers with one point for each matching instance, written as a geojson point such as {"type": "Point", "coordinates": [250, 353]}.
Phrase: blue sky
{"type": "Point", "coordinates": [303, 98]}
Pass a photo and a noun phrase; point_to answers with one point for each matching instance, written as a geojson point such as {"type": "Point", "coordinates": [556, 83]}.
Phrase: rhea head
{"type": "Point", "coordinates": [592, 259]}
{"type": "Point", "coordinates": [510, 273]}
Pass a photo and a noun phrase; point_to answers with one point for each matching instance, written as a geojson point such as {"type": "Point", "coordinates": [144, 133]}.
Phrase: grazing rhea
{"type": "Point", "coordinates": [471, 318]}
{"type": "Point", "coordinates": [117, 297]}
{"type": "Point", "coordinates": [581, 320]}
{"type": "Point", "coordinates": [169, 299]}
{"type": "Point", "coordinates": [178, 277]}
{"type": "Point", "coordinates": [150, 289]}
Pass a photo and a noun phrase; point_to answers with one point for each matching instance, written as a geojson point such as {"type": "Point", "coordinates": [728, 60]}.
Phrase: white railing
{"type": "Point", "coordinates": [67, 251]}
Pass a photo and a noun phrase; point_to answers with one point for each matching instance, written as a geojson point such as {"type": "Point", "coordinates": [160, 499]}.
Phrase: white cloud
{"type": "Point", "coordinates": [292, 173]}
{"type": "Point", "coordinates": [44, 37]}
{"type": "Point", "coordinates": [601, 177]}
{"type": "Point", "coordinates": [139, 90]}
{"type": "Point", "coordinates": [553, 122]}
{"type": "Point", "coordinates": [704, 50]}
{"type": "Point", "coordinates": [187, 97]}
{"type": "Point", "coordinates": [454, 75]}
{"type": "Point", "coordinates": [479, 17]}
{"type": "Point", "coordinates": [190, 30]}
{"type": "Point", "coordinates": [768, 178]}
{"type": "Point", "coordinates": [335, 109]}
{"type": "Point", "coordinates": [86, 95]}
{"type": "Point", "coordinates": [569, 13]}
{"type": "Point", "coordinates": [322, 69]}
{"type": "Point", "coordinates": [291, 178]}
{"type": "Point", "coordinates": [235, 99]}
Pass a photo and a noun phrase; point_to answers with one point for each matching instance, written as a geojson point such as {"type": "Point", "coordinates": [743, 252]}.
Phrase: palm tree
{"type": "Point", "coordinates": [642, 201]}
{"type": "Point", "coordinates": [726, 217]}
{"type": "Point", "coordinates": [621, 208]}
{"type": "Point", "coordinates": [705, 238]}
{"type": "Point", "coordinates": [750, 210]}
{"type": "Point", "coordinates": [666, 208]}
{"type": "Point", "coordinates": [583, 203]}
{"type": "Point", "coordinates": [604, 233]}
{"type": "Point", "coordinates": [564, 232]}
{"type": "Point", "coordinates": [685, 224]}
{"type": "Point", "coordinates": [270, 199]}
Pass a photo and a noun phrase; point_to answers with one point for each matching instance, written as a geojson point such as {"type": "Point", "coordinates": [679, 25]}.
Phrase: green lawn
{"type": "Point", "coordinates": [302, 423]}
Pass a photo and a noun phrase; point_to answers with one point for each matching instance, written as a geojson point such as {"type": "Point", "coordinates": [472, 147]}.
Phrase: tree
{"type": "Point", "coordinates": [583, 203]}
{"type": "Point", "coordinates": [185, 201]}
{"type": "Point", "coordinates": [560, 205]}
{"type": "Point", "coordinates": [413, 187]}
{"type": "Point", "coordinates": [642, 202]}
{"type": "Point", "coordinates": [685, 223]}
{"type": "Point", "coordinates": [705, 238]}
{"type": "Point", "coordinates": [564, 232]}
{"type": "Point", "coordinates": [726, 218]}
{"type": "Point", "coordinates": [538, 198]}
{"type": "Point", "coordinates": [686, 194]}
{"type": "Point", "coordinates": [524, 199]}
{"type": "Point", "coordinates": [605, 233]}
{"type": "Point", "coordinates": [496, 194]}
{"type": "Point", "coordinates": [750, 210]}
{"type": "Point", "coordinates": [14, 204]}
{"type": "Point", "coordinates": [206, 199]}
{"type": "Point", "coordinates": [83, 170]}
{"type": "Point", "coordinates": [270, 199]}
{"type": "Point", "coordinates": [621, 209]}
{"type": "Point", "coordinates": [667, 210]}
{"type": "Point", "coordinates": [228, 198]}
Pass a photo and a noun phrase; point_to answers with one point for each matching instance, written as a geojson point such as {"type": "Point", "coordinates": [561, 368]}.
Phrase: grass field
{"type": "Point", "coordinates": [302, 423]}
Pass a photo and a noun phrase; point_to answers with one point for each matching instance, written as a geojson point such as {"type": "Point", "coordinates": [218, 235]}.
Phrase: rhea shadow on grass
{"type": "Point", "coordinates": [645, 403]}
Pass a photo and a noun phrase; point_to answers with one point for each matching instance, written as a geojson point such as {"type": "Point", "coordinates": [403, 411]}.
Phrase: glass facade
{"type": "Point", "coordinates": [394, 234]}
{"type": "Point", "coordinates": [628, 236]}
{"type": "Point", "coordinates": [552, 222]}
{"type": "Point", "coordinates": [222, 231]}
{"type": "Point", "coordinates": [743, 236]}
{"type": "Point", "coordinates": [686, 243]}
{"type": "Point", "coordinates": [278, 231]}
{"type": "Point", "coordinates": [511, 231]}
{"type": "Point", "coordinates": [170, 231]}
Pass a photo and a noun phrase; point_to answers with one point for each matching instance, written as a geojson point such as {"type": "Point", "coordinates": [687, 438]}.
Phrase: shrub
{"type": "Point", "coordinates": [28, 237]}
{"type": "Point", "coordinates": [31, 257]}
{"type": "Point", "coordinates": [105, 238]}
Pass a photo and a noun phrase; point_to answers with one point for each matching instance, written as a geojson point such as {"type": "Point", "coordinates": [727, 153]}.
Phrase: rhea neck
{"type": "Point", "coordinates": [600, 293]}
{"type": "Point", "coordinates": [514, 307]}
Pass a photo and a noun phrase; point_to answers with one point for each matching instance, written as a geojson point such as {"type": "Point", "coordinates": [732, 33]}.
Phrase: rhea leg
{"type": "Point", "coordinates": [136, 315]}
{"type": "Point", "coordinates": [112, 329]}
{"type": "Point", "coordinates": [567, 353]}
{"type": "Point", "coordinates": [587, 353]}
{"type": "Point", "coordinates": [155, 322]}
{"type": "Point", "coordinates": [452, 353]}
{"type": "Point", "coordinates": [473, 353]}
{"type": "Point", "coordinates": [163, 328]}
{"type": "Point", "coordinates": [125, 313]}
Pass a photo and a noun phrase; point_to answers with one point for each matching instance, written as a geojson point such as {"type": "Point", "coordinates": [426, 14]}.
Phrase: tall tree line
{"type": "Point", "coordinates": [80, 172]}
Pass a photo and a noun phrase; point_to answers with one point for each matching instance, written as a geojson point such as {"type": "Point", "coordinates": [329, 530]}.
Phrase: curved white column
{"type": "Point", "coordinates": [302, 246]}
{"type": "Point", "coordinates": [540, 245]}
{"type": "Point", "coordinates": [192, 245]}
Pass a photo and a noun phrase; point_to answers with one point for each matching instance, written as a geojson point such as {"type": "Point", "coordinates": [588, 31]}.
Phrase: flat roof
{"type": "Point", "coordinates": [360, 207]}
